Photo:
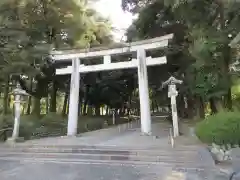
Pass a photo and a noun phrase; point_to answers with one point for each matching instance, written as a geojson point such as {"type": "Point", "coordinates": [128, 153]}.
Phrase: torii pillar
{"type": "Point", "coordinates": [144, 93]}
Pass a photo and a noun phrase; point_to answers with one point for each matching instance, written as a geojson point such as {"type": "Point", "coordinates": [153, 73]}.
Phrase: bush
{"type": "Point", "coordinates": [53, 124]}
{"type": "Point", "coordinates": [53, 120]}
{"type": "Point", "coordinates": [28, 124]}
{"type": "Point", "coordinates": [90, 123]}
{"type": "Point", "coordinates": [222, 128]}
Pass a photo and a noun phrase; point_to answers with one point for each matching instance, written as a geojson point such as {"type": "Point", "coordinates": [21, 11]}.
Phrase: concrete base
{"type": "Point", "coordinates": [15, 140]}
{"type": "Point", "coordinates": [146, 134]}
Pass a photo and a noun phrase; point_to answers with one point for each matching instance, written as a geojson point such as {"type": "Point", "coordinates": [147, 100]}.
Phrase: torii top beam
{"type": "Point", "coordinates": [125, 48]}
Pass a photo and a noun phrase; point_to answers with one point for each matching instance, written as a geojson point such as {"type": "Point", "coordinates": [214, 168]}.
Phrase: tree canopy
{"type": "Point", "coordinates": [199, 54]}
{"type": "Point", "coordinates": [203, 31]}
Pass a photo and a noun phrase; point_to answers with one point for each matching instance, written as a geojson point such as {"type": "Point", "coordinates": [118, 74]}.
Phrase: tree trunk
{"type": "Point", "coordinates": [84, 107]}
{"type": "Point", "coordinates": [80, 105]}
{"type": "Point", "coordinates": [30, 99]}
{"type": "Point", "coordinates": [180, 106]}
{"type": "Point", "coordinates": [138, 111]}
{"type": "Point", "coordinates": [64, 109]}
{"type": "Point", "coordinates": [67, 109]}
{"type": "Point", "coordinates": [200, 110]}
{"type": "Point", "coordinates": [97, 110]}
{"type": "Point", "coordinates": [47, 104]}
{"type": "Point", "coordinates": [5, 99]}
{"type": "Point", "coordinates": [153, 110]}
{"type": "Point", "coordinates": [212, 106]}
{"type": "Point", "coordinates": [102, 110]}
{"type": "Point", "coordinates": [227, 59]}
{"type": "Point", "coordinates": [216, 105]}
{"type": "Point", "coordinates": [53, 103]}
{"type": "Point", "coordinates": [228, 99]}
{"type": "Point", "coordinates": [36, 106]}
{"type": "Point", "coordinates": [156, 105]}
{"type": "Point", "coordinates": [107, 109]}
{"type": "Point", "coordinates": [89, 110]}
{"type": "Point", "coordinates": [85, 100]}
{"type": "Point", "coordinates": [29, 105]}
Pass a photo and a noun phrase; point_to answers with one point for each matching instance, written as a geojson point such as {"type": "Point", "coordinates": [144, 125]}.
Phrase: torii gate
{"type": "Point", "coordinates": [141, 63]}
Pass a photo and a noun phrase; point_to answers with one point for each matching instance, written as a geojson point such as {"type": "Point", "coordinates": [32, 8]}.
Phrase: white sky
{"type": "Point", "coordinates": [120, 20]}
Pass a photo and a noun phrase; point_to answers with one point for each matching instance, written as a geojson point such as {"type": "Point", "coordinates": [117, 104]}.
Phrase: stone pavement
{"type": "Point", "coordinates": [118, 153]}
{"type": "Point", "coordinates": [20, 170]}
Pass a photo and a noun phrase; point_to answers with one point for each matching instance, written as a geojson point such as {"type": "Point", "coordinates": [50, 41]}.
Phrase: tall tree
{"type": "Point", "coordinates": [32, 28]}
{"type": "Point", "coordinates": [203, 42]}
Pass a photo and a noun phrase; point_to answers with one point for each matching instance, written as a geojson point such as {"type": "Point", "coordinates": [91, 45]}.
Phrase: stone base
{"type": "Point", "coordinates": [146, 134]}
{"type": "Point", "coordinates": [15, 140]}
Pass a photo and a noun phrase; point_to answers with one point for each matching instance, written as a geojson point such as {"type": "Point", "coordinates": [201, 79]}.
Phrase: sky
{"type": "Point", "coordinates": [120, 20]}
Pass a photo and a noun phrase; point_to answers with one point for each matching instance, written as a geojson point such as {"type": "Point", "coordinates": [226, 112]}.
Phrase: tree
{"type": "Point", "coordinates": [32, 28]}
{"type": "Point", "coordinates": [203, 43]}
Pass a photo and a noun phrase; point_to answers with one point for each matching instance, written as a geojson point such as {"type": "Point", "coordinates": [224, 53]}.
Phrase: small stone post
{"type": "Point", "coordinates": [172, 93]}
{"type": "Point", "coordinates": [113, 117]}
{"type": "Point", "coordinates": [18, 94]}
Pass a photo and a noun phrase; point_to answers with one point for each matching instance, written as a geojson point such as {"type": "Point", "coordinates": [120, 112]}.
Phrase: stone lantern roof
{"type": "Point", "coordinates": [235, 42]}
{"type": "Point", "coordinates": [19, 91]}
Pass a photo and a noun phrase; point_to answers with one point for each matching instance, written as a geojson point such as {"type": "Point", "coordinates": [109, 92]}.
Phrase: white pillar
{"type": "Point", "coordinates": [144, 93]}
{"type": "Point", "coordinates": [74, 98]}
{"type": "Point", "coordinates": [17, 108]}
{"type": "Point", "coordinates": [113, 117]}
{"type": "Point", "coordinates": [173, 94]}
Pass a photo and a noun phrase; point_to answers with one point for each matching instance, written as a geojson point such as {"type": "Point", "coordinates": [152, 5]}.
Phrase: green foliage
{"type": "Point", "coordinates": [222, 128]}
{"type": "Point", "coordinates": [203, 55]}
{"type": "Point", "coordinates": [27, 126]}
{"type": "Point", "coordinates": [30, 29]}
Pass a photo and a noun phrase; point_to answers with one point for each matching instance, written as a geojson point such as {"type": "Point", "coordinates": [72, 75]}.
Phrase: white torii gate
{"type": "Point", "coordinates": [141, 63]}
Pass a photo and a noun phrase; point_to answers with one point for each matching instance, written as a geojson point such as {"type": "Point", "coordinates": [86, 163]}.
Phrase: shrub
{"type": "Point", "coordinates": [90, 123]}
{"type": "Point", "coordinates": [28, 124]}
{"type": "Point", "coordinates": [222, 128]}
{"type": "Point", "coordinates": [51, 124]}
{"type": "Point", "coordinates": [53, 120]}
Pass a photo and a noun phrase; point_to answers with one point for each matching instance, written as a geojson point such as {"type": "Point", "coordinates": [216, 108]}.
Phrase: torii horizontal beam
{"type": "Point", "coordinates": [113, 66]}
{"type": "Point", "coordinates": [125, 48]}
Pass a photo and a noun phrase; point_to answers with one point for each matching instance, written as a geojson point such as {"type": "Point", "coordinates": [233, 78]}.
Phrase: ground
{"type": "Point", "coordinates": [118, 153]}
{"type": "Point", "coordinates": [51, 171]}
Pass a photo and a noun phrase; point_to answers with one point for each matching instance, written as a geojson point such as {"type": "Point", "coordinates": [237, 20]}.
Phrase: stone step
{"type": "Point", "coordinates": [150, 154]}
{"type": "Point", "coordinates": [180, 155]}
{"type": "Point", "coordinates": [133, 157]}
{"type": "Point", "coordinates": [104, 147]}
{"type": "Point", "coordinates": [110, 155]}
{"type": "Point", "coordinates": [102, 150]}
{"type": "Point", "coordinates": [171, 163]}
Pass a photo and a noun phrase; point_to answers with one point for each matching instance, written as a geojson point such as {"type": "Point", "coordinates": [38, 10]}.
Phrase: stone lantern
{"type": "Point", "coordinates": [172, 94]}
{"type": "Point", "coordinates": [19, 97]}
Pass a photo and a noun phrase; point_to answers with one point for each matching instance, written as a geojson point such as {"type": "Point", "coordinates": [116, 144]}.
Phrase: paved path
{"type": "Point", "coordinates": [58, 171]}
{"type": "Point", "coordinates": [126, 135]}
{"type": "Point", "coordinates": [119, 153]}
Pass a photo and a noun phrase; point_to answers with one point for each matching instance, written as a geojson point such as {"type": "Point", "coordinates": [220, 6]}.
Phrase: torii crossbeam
{"type": "Point", "coordinates": [141, 63]}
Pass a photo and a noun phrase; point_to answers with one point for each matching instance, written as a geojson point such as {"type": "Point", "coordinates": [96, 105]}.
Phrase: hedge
{"type": "Point", "coordinates": [222, 128]}
{"type": "Point", "coordinates": [53, 124]}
